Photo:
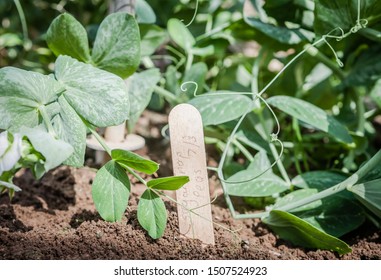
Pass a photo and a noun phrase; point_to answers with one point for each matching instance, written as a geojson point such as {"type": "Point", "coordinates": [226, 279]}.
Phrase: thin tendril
{"type": "Point", "coordinates": [184, 88]}
{"type": "Point", "coordinates": [194, 15]}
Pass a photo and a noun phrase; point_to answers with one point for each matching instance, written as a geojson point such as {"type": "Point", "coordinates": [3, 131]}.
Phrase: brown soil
{"type": "Point", "coordinates": [55, 218]}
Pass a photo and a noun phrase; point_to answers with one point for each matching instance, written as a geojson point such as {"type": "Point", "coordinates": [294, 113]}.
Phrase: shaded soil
{"type": "Point", "coordinates": [55, 218]}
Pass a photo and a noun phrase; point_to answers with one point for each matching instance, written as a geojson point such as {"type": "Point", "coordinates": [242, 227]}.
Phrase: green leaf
{"type": "Point", "coordinates": [68, 37]}
{"type": "Point", "coordinates": [152, 37]}
{"type": "Point", "coordinates": [134, 161]}
{"type": "Point", "coordinates": [92, 92]}
{"type": "Point", "coordinates": [152, 214]}
{"type": "Point", "coordinates": [301, 233]}
{"type": "Point", "coordinates": [144, 12]}
{"type": "Point", "coordinates": [367, 69]}
{"type": "Point", "coordinates": [22, 92]}
{"type": "Point", "coordinates": [140, 91]}
{"type": "Point", "coordinates": [298, 195]}
{"type": "Point", "coordinates": [369, 193]}
{"type": "Point", "coordinates": [261, 22]}
{"type": "Point", "coordinates": [110, 191]}
{"type": "Point", "coordinates": [70, 128]}
{"type": "Point", "coordinates": [54, 151]}
{"type": "Point", "coordinates": [180, 34]}
{"type": "Point", "coordinates": [335, 215]}
{"type": "Point", "coordinates": [217, 108]}
{"type": "Point", "coordinates": [279, 33]}
{"type": "Point", "coordinates": [117, 45]}
{"type": "Point", "coordinates": [168, 183]}
{"type": "Point", "coordinates": [318, 179]}
{"type": "Point", "coordinates": [265, 185]}
{"type": "Point", "coordinates": [311, 115]}
{"type": "Point", "coordinates": [330, 15]}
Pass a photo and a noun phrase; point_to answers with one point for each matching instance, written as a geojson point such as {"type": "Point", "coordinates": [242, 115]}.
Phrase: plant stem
{"type": "Point", "coordinates": [45, 117]}
{"type": "Point", "coordinates": [99, 139]}
{"type": "Point", "coordinates": [352, 180]}
{"type": "Point", "coordinates": [360, 113]}
{"type": "Point", "coordinates": [136, 175]}
{"type": "Point", "coordinates": [244, 151]}
{"type": "Point", "coordinates": [22, 19]}
{"type": "Point", "coordinates": [169, 96]}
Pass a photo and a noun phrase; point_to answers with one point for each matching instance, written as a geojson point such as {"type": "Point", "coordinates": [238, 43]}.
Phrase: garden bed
{"type": "Point", "coordinates": [55, 218]}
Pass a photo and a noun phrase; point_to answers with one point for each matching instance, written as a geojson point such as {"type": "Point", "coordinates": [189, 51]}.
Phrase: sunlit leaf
{"type": "Point", "coordinates": [134, 161]}
{"type": "Point", "coordinates": [92, 92]}
{"type": "Point", "coordinates": [152, 214]}
{"type": "Point", "coordinates": [141, 88]}
{"type": "Point", "coordinates": [218, 108]}
{"type": "Point", "coordinates": [55, 151]}
{"type": "Point", "coordinates": [110, 191]}
{"type": "Point", "coordinates": [301, 233]}
{"type": "Point", "coordinates": [257, 180]}
{"type": "Point", "coordinates": [66, 36]}
{"type": "Point", "coordinates": [22, 92]}
{"type": "Point", "coordinates": [312, 115]}
{"type": "Point", "coordinates": [168, 183]}
{"type": "Point", "coordinates": [369, 194]}
{"type": "Point", "coordinates": [117, 45]}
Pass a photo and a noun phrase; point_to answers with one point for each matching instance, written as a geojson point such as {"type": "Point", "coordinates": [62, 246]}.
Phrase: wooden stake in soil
{"type": "Point", "coordinates": [189, 159]}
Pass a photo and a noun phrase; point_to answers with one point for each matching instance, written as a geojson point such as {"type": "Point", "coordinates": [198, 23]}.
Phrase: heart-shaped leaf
{"type": "Point", "coordinates": [117, 45]}
{"type": "Point", "coordinates": [67, 36]}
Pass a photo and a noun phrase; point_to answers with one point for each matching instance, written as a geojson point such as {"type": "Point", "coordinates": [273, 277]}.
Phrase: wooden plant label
{"type": "Point", "coordinates": [189, 159]}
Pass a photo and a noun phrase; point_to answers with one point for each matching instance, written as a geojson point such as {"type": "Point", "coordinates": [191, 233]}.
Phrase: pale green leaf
{"type": "Point", "coordinates": [134, 161]}
{"type": "Point", "coordinates": [66, 36]}
{"type": "Point", "coordinates": [110, 191]}
{"type": "Point", "coordinates": [168, 183]}
{"type": "Point", "coordinates": [312, 115]}
{"type": "Point", "coordinates": [180, 34]}
{"type": "Point", "coordinates": [152, 36]}
{"type": "Point", "coordinates": [298, 195]}
{"type": "Point", "coordinates": [70, 128]}
{"type": "Point", "coordinates": [257, 180]}
{"type": "Point", "coordinates": [117, 45]}
{"type": "Point", "coordinates": [144, 12]}
{"type": "Point", "coordinates": [96, 95]}
{"type": "Point", "coordinates": [55, 151]}
{"type": "Point", "coordinates": [152, 214]}
{"type": "Point", "coordinates": [218, 108]}
{"type": "Point", "coordinates": [22, 92]}
{"type": "Point", "coordinates": [141, 86]}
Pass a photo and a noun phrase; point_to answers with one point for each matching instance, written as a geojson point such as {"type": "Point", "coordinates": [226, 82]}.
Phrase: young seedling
{"type": "Point", "coordinates": [188, 157]}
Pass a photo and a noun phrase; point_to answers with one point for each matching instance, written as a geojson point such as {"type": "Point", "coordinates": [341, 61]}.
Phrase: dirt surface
{"type": "Point", "coordinates": [55, 218]}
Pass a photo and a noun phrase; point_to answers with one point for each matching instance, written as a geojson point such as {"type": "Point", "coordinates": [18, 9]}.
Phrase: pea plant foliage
{"type": "Point", "coordinates": [303, 131]}
{"type": "Point", "coordinates": [45, 118]}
